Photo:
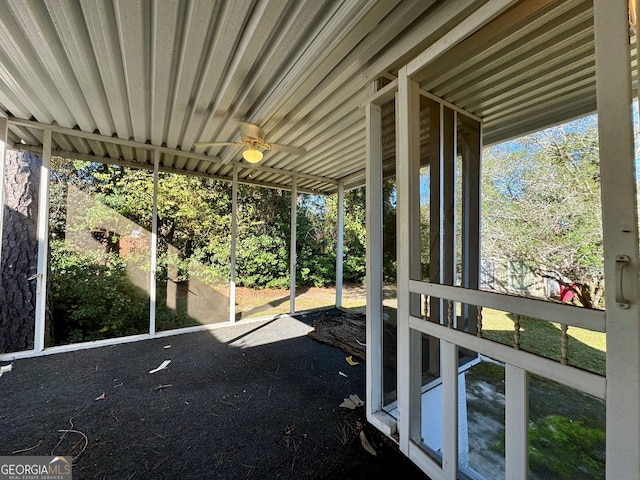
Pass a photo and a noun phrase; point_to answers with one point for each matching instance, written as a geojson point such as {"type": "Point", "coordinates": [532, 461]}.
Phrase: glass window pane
{"type": "Point", "coordinates": [100, 251]}
{"type": "Point", "coordinates": [566, 432]}
{"type": "Point", "coordinates": [482, 418]}
{"type": "Point", "coordinates": [193, 251]}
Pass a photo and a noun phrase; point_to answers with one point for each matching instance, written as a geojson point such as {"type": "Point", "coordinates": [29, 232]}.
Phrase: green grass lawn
{"type": "Point", "coordinates": [586, 349]}
{"type": "Point", "coordinates": [258, 303]}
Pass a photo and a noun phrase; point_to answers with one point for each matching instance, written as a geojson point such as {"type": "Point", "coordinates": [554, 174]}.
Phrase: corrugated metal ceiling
{"type": "Point", "coordinates": [533, 66]}
{"type": "Point", "coordinates": [118, 78]}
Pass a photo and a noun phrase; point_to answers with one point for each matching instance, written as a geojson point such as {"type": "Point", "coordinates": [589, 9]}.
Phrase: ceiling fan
{"type": "Point", "coordinates": [253, 140]}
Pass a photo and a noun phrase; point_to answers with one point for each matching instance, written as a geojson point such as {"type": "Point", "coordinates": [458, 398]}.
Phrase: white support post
{"type": "Point", "coordinates": [436, 141]}
{"type": "Point", "coordinates": [517, 423]}
{"type": "Point", "coordinates": [448, 206]}
{"type": "Point", "coordinates": [471, 194]}
{"type": "Point", "coordinates": [292, 255]}
{"type": "Point", "coordinates": [414, 242]}
{"type": "Point", "coordinates": [4, 133]}
{"type": "Point", "coordinates": [448, 198]}
{"type": "Point", "coordinates": [340, 245]}
{"type": "Point", "coordinates": [449, 352]}
{"type": "Point", "coordinates": [43, 243]}
{"type": "Point", "coordinates": [234, 239]}
{"type": "Point", "coordinates": [409, 353]}
{"type": "Point", "coordinates": [153, 297]}
{"type": "Point", "coordinates": [374, 400]}
{"type": "Point", "coordinates": [620, 232]}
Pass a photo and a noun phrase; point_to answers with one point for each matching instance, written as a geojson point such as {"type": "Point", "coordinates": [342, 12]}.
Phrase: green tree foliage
{"type": "Point", "coordinates": [541, 207]}
{"type": "Point", "coordinates": [194, 238]}
{"type": "Point", "coordinates": [389, 253]}
{"type": "Point", "coordinates": [264, 232]}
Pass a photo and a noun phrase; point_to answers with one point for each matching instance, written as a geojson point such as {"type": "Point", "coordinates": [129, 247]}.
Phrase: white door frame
{"type": "Point", "coordinates": [620, 231]}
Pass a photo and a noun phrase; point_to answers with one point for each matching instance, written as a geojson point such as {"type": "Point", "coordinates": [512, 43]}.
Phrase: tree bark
{"type": "Point", "coordinates": [19, 258]}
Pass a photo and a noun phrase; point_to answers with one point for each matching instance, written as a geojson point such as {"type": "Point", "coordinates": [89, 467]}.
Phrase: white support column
{"type": "Point", "coordinates": [340, 245]}
{"type": "Point", "coordinates": [516, 423]}
{"type": "Point", "coordinates": [43, 243]}
{"type": "Point", "coordinates": [471, 197]}
{"type": "Point", "coordinates": [409, 353]}
{"type": "Point", "coordinates": [448, 198]}
{"type": "Point", "coordinates": [620, 232]}
{"type": "Point", "coordinates": [293, 255]}
{"type": "Point", "coordinates": [374, 400]}
{"type": "Point", "coordinates": [448, 206]}
{"type": "Point", "coordinates": [449, 353]}
{"type": "Point", "coordinates": [154, 247]}
{"type": "Point", "coordinates": [4, 132]}
{"type": "Point", "coordinates": [436, 141]}
{"type": "Point", "coordinates": [414, 242]}
{"type": "Point", "coordinates": [234, 239]}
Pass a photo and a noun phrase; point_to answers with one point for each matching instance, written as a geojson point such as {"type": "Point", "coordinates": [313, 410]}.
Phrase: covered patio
{"type": "Point", "coordinates": [336, 96]}
{"type": "Point", "coordinates": [255, 400]}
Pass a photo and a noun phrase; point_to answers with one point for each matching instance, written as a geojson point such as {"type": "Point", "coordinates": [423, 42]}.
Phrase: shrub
{"type": "Point", "coordinates": [92, 297]}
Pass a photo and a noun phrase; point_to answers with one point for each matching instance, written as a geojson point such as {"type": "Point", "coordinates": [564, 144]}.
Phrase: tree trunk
{"type": "Point", "coordinates": [19, 258]}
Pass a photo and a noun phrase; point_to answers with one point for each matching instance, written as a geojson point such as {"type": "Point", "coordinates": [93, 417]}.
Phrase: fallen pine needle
{"type": "Point", "coordinates": [27, 449]}
{"type": "Point", "coordinates": [160, 387]}
{"type": "Point", "coordinates": [74, 431]}
{"type": "Point", "coordinates": [86, 441]}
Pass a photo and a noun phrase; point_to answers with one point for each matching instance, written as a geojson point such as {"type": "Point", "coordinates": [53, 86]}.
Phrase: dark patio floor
{"type": "Point", "coordinates": [256, 400]}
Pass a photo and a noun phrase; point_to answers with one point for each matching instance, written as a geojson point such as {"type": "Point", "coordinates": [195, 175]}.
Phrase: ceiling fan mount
{"type": "Point", "coordinates": [253, 140]}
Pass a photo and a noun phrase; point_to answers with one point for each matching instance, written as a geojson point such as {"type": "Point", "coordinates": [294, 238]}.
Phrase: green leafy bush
{"type": "Point", "coordinates": [92, 297]}
{"type": "Point", "coordinates": [262, 260]}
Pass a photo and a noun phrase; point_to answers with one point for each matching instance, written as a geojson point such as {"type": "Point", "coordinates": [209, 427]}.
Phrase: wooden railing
{"type": "Point", "coordinates": [556, 367]}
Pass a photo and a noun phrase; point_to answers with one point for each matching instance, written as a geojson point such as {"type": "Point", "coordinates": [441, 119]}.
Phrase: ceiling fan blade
{"type": "Point", "coordinates": [218, 144]}
{"type": "Point", "coordinates": [287, 148]}
{"type": "Point", "coordinates": [251, 130]}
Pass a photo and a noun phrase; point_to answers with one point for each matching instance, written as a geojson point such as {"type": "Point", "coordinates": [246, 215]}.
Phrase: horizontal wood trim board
{"type": "Point", "coordinates": [587, 382]}
{"type": "Point", "coordinates": [538, 309]}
